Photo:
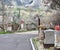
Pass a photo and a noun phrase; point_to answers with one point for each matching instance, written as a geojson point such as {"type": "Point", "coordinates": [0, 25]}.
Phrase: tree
{"type": "Point", "coordinates": [55, 5]}
{"type": "Point", "coordinates": [56, 18]}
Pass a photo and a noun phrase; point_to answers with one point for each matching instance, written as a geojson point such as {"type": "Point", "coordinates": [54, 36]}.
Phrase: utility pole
{"type": "Point", "coordinates": [3, 7]}
{"type": "Point", "coordinates": [19, 17]}
{"type": "Point", "coordinates": [19, 12]}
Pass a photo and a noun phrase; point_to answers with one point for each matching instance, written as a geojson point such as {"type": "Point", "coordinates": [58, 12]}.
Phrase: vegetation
{"type": "Point", "coordinates": [35, 45]}
{"type": "Point", "coordinates": [55, 4]}
{"type": "Point", "coordinates": [39, 46]}
{"type": "Point", "coordinates": [56, 18]}
{"type": "Point", "coordinates": [55, 7]}
{"type": "Point", "coordinates": [3, 32]}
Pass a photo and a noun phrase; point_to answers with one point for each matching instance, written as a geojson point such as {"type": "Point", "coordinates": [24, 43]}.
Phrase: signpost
{"type": "Point", "coordinates": [22, 24]}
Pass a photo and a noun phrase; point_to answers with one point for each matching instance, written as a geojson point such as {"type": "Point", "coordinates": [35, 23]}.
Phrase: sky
{"type": "Point", "coordinates": [32, 3]}
{"type": "Point", "coordinates": [26, 3]}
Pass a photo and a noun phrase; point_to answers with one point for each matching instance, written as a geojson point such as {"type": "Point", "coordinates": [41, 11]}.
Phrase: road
{"type": "Point", "coordinates": [16, 41]}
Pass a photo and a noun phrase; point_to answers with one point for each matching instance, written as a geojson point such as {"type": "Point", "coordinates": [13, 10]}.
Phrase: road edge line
{"type": "Point", "coordinates": [32, 44]}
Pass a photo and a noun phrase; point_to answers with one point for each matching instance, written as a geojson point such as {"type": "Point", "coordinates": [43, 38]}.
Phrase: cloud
{"type": "Point", "coordinates": [14, 3]}
{"type": "Point", "coordinates": [30, 4]}
{"type": "Point", "coordinates": [22, 1]}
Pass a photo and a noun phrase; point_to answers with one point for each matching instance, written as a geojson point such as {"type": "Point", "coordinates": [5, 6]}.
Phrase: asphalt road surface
{"type": "Point", "coordinates": [16, 41]}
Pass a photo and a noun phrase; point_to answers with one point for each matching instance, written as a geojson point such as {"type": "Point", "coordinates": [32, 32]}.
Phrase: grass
{"type": "Point", "coordinates": [37, 45]}
{"type": "Point", "coordinates": [3, 32]}
{"type": "Point", "coordinates": [34, 42]}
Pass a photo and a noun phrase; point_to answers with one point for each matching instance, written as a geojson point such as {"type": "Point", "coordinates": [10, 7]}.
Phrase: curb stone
{"type": "Point", "coordinates": [32, 44]}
